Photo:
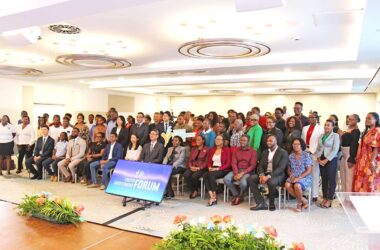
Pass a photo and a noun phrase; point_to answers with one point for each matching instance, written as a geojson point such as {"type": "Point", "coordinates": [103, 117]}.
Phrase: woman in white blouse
{"type": "Point", "coordinates": [134, 149]}
{"type": "Point", "coordinates": [25, 139]}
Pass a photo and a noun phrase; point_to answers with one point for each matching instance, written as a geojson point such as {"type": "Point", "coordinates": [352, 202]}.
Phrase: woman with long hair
{"type": "Point", "coordinates": [367, 168]}
{"type": "Point", "coordinates": [84, 132]}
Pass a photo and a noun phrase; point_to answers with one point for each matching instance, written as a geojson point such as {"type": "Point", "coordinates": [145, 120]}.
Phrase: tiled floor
{"type": "Point", "coordinates": [319, 229]}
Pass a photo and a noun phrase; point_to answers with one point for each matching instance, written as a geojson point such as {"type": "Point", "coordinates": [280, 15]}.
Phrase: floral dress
{"type": "Point", "coordinates": [364, 179]}
{"type": "Point", "coordinates": [297, 167]}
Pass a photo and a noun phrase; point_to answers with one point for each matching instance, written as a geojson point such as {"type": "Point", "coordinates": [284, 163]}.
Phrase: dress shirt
{"type": "Point", "coordinates": [6, 133]}
{"type": "Point", "coordinates": [111, 150]}
{"type": "Point", "coordinates": [133, 154]}
{"type": "Point", "coordinates": [60, 148]}
{"type": "Point", "coordinates": [270, 158]}
{"type": "Point", "coordinates": [25, 136]}
{"type": "Point", "coordinates": [244, 158]}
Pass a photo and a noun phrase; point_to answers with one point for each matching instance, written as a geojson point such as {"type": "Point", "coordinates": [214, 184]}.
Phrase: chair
{"type": "Point", "coordinates": [178, 177]}
{"type": "Point", "coordinates": [225, 189]}
{"type": "Point", "coordinates": [281, 193]}
{"type": "Point", "coordinates": [218, 181]}
{"type": "Point", "coordinates": [309, 198]}
{"type": "Point", "coordinates": [59, 176]}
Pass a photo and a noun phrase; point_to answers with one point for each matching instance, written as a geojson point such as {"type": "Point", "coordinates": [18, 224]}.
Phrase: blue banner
{"type": "Point", "coordinates": [145, 181]}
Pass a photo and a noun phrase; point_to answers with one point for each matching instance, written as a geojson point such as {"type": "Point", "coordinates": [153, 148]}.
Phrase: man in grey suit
{"type": "Point", "coordinates": [140, 129]}
{"type": "Point", "coordinates": [152, 151]}
{"type": "Point", "coordinates": [271, 171]}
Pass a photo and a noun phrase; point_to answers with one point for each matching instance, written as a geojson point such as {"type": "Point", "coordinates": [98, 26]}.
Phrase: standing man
{"type": "Point", "coordinates": [232, 116]}
{"type": "Point", "coordinates": [140, 129]}
{"type": "Point", "coordinates": [271, 171]}
{"type": "Point", "coordinates": [166, 126]}
{"type": "Point", "coordinates": [91, 122]}
{"type": "Point", "coordinates": [311, 134]}
{"type": "Point", "coordinates": [111, 123]}
{"type": "Point", "coordinates": [55, 128]}
{"type": "Point", "coordinates": [42, 151]}
{"type": "Point", "coordinates": [298, 107]}
{"type": "Point", "coordinates": [76, 150]}
{"type": "Point", "coordinates": [66, 127]}
{"type": "Point", "coordinates": [255, 133]}
{"type": "Point", "coordinates": [280, 120]}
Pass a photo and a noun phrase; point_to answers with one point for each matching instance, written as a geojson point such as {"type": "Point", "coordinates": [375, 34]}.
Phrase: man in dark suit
{"type": "Point", "coordinates": [152, 151]}
{"type": "Point", "coordinates": [140, 129]}
{"type": "Point", "coordinates": [42, 151]}
{"type": "Point", "coordinates": [113, 152]}
{"type": "Point", "coordinates": [271, 171]}
{"type": "Point", "coordinates": [166, 126]}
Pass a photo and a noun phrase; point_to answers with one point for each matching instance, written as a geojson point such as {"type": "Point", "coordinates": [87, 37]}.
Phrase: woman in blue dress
{"type": "Point", "coordinates": [299, 173]}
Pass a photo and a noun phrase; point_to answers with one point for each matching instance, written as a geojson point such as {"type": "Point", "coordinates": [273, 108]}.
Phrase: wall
{"type": "Point", "coordinates": [339, 104]}
{"type": "Point", "coordinates": [18, 95]}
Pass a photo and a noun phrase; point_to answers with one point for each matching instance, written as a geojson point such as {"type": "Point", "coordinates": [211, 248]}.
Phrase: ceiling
{"type": "Point", "coordinates": [325, 46]}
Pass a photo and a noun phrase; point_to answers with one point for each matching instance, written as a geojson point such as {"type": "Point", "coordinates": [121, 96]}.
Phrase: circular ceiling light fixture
{"type": "Point", "coordinates": [225, 91]}
{"type": "Point", "coordinates": [19, 71]}
{"type": "Point", "coordinates": [295, 90]}
{"type": "Point", "coordinates": [223, 48]}
{"type": "Point", "coordinates": [168, 93]}
{"type": "Point", "coordinates": [64, 29]}
{"type": "Point", "coordinates": [93, 61]}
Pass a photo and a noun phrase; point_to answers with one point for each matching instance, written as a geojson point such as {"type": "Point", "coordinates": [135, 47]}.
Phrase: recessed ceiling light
{"type": "Point", "coordinates": [249, 28]}
{"type": "Point", "coordinates": [295, 90]}
{"type": "Point", "coordinates": [364, 66]}
{"type": "Point", "coordinates": [296, 38]}
{"type": "Point", "coordinates": [183, 24]}
{"type": "Point", "coordinates": [56, 43]}
{"type": "Point", "coordinates": [200, 27]}
{"type": "Point", "coordinates": [287, 69]}
{"type": "Point", "coordinates": [64, 29]}
{"type": "Point", "coordinates": [212, 21]}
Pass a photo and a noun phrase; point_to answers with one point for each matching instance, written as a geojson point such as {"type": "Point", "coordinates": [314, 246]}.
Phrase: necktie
{"type": "Point", "coordinates": [166, 126]}
{"type": "Point", "coordinates": [151, 147]}
{"type": "Point", "coordinates": [43, 144]}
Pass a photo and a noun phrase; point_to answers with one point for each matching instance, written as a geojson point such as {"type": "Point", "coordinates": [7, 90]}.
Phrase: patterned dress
{"type": "Point", "coordinates": [364, 179]}
{"type": "Point", "coordinates": [297, 167]}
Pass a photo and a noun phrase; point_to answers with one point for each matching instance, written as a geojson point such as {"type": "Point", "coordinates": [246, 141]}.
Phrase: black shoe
{"type": "Point", "coordinates": [18, 171]}
{"type": "Point", "coordinates": [315, 199]}
{"type": "Point", "coordinates": [39, 177]}
{"type": "Point", "coordinates": [261, 206]}
{"type": "Point", "coordinates": [34, 177]}
{"type": "Point", "coordinates": [272, 207]}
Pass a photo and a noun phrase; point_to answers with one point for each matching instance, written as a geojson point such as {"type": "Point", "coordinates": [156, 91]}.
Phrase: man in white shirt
{"type": "Point", "coordinates": [66, 127]}
{"type": "Point", "coordinates": [25, 139]}
{"type": "Point", "coordinates": [111, 123]}
{"type": "Point", "coordinates": [311, 134]}
{"type": "Point", "coordinates": [55, 128]}
{"type": "Point", "coordinates": [91, 122]}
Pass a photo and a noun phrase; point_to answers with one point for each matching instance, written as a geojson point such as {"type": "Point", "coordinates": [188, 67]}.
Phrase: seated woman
{"type": "Point", "coordinates": [134, 149]}
{"type": "Point", "coordinates": [299, 173]}
{"type": "Point", "coordinates": [243, 162]}
{"type": "Point", "coordinates": [59, 153]}
{"type": "Point", "coordinates": [219, 164]}
{"type": "Point", "coordinates": [94, 153]}
{"type": "Point", "coordinates": [197, 166]}
{"type": "Point", "coordinates": [176, 158]}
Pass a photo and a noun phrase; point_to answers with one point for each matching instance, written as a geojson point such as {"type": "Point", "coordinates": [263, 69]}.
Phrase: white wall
{"type": "Point", "coordinates": [325, 104]}
{"type": "Point", "coordinates": [75, 98]}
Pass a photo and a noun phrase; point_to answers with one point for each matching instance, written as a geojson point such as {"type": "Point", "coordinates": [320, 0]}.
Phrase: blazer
{"type": "Point", "coordinates": [47, 150]}
{"type": "Point", "coordinates": [123, 136]}
{"type": "Point", "coordinates": [275, 131]}
{"type": "Point", "coordinates": [281, 125]}
{"type": "Point", "coordinates": [76, 151]}
{"type": "Point", "coordinates": [117, 152]}
{"type": "Point", "coordinates": [330, 148]}
{"type": "Point", "coordinates": [225, 158]}
{"type": "Point", "coordinates": [142, 132]}
{"type": "Point", "coordinates": [178, 159]}
{"type": "Point", "coordinates": [198, 159]}
{"type": "Point", "coordinates": [161, 129]}
{"type": "Point", "coordinates": [157, 154]}
{"type": "Point", "coordinates": [279, 163]}
{"type": "Point", "coordinates": [317, 132]}
{"type": "Point", "coordinates": [288, 138]}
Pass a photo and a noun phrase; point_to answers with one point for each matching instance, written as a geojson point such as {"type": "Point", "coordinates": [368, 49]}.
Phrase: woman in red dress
{"type": "Point", "coordinates": [367, 176]}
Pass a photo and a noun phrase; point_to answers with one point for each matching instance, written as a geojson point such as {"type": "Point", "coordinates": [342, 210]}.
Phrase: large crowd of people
{"type": "Point", "coordinates": [296, 152]}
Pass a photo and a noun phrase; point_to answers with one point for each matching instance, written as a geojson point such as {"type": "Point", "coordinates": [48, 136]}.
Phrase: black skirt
{"type": "Point", "coordinates": [6, 148]}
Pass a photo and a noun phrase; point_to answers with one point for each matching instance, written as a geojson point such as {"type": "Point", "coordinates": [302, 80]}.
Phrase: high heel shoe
{"type": "Point", "coordinates": [214, 202]}
{"type": "Point", "coordinates": [299, 207]}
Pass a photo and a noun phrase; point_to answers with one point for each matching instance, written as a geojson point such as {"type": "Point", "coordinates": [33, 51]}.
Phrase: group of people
{"type": "Point", "coordinates": [245, 150]}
